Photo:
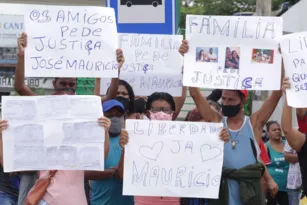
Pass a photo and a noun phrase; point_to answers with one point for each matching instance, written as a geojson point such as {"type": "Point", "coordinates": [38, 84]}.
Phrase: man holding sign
{"type": "Point", "coordinates": [61, 85]}
{"type": "Point", "coordinates": [241, 152]}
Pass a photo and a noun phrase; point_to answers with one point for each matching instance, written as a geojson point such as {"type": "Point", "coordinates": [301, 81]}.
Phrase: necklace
{"type": "Point", "coordinates": [234, 141]}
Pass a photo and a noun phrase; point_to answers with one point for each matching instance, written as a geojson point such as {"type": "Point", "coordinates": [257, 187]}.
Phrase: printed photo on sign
{"type": "Point", "coordinates": [141, 11]}
{"type": "Point", "coordinates": [238, 40]}
{"type": "Point", "coordinates": [263, 56]}
{"type": "Point", "coordinates": [209, 54]}
{"type": "Point", "coordinates": [232, 59]}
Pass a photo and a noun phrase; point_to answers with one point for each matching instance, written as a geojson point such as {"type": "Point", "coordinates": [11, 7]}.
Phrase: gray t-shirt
{"type": "Point", "coordinates": [294, 174]}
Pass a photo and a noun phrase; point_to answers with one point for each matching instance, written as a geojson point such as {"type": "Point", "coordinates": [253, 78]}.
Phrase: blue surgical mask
{"type": "Point", "coordinates": [117, 124]}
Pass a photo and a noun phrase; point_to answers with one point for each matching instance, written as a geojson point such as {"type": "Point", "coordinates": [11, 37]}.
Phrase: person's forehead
{"type": "Point", "coordinates": [275, 125]}
{"type": "Point", "coordinates": [160, 103]}
{"type": "Point", "coordinates": [122, 88]}
{"type": "Point", "coordinates": [115, 110]}
{"type": "Point", "coordinates": [67, 79]}
{"type": "Point", "coordinates": [230, 94]}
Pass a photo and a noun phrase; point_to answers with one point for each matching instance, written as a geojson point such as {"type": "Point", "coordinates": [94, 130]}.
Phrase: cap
{"type": "Point", "coordinates": [108, 105]}
{"type": "Point", "coordinates": [244, 93]}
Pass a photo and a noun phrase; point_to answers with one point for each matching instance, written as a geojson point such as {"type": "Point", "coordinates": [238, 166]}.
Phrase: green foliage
{"type": "Point", "coordinates": [223, 7]}
{"type": "Point", "coordinates": [216, 7]}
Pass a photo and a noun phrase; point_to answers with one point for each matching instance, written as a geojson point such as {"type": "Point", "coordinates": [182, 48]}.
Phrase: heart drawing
{"type": "Point", "coordinates": [153, 152]}
{"type": "Point", "coordinates": [208, 153]}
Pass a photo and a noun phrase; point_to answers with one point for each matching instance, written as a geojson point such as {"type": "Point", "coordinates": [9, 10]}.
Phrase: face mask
{"type": "Point", "coordinates": [160, 116]}
{"type": "Point", "coordinates": [125, 102]}
{"type": "Point", "coordinates": [231, 110]}
{"type": "Point", "coordinates": [64, 91]}
{"type": "Point", "coordinates": [117, 124]}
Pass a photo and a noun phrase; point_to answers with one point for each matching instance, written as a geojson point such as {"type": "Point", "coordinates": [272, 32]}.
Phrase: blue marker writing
{"type": "Point", "coordinates": [145, 68]}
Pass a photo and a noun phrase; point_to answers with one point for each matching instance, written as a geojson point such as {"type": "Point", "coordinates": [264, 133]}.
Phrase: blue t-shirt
{"type": "Point", "coordinates": [109, 191]}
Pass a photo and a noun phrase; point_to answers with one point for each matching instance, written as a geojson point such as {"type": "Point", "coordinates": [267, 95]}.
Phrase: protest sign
{"type": "Point", "coordinates": [230, 52]}
{"type": "Point", "coordinates": [294, 52]}
{"type": "Point", "coordinates": [174, 159]}
{"type": "Point", "coordinates": [152, 64]}
{"type": "Point", "coordinates": [70, 41]}
{"type": "Point", "coordinates": [52, 133]}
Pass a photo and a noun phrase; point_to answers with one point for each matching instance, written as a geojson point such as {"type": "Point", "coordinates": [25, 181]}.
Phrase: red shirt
{"type": "Point", "coordinates": [302, 124]}
{"type": "Point", "coordinates": [264, 154]}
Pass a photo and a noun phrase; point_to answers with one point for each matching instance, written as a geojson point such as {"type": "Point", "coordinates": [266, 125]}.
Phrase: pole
{"type": "Point", "coordinates": [263, 7]}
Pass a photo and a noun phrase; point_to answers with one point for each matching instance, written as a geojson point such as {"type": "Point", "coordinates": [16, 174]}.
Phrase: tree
{"type": "Point", "coordinates": [215, 7]}
{"type": "Point", "coordinates": [223, 7]}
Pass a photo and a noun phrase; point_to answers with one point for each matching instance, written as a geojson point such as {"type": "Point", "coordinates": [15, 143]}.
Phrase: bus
{"type": "Point", "coordinates": [130, 3]}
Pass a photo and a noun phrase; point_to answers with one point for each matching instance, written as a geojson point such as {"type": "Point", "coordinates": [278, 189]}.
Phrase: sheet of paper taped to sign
{"type": "Point", "coordinates": [53, 133]}
{"type": "Point", "coordinates": [152, 64]}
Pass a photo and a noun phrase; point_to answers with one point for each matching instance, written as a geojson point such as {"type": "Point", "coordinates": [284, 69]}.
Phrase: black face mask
{"type": "Point", "coordinates": [125, 102]}
{"type": "Point", "coordinates": [64, 90]}
{"type": "Point", "coordinates": [231, 110]}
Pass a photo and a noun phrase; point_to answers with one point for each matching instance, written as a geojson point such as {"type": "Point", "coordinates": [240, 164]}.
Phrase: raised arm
{"type": "Point", "coordinates": [260, 118]}
{"type": "Point", "coordinates": [112, 92]}
{"type": "Point", "coordinates": [124, 138]}
{"type": "Point", "coordinates": [201, 103]}
{"type": "Point", "coordinates": [19, 82]}
{"type": "Point", "coordinates": [203, 106]}
{"type": "Point", "coordinates": [295, 138]}
{"type": "Point", "coordinates": [179, 102]}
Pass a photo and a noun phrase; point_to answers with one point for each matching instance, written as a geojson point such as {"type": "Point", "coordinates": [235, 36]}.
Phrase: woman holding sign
{"type": "Point", "coordinates": [160, 106]}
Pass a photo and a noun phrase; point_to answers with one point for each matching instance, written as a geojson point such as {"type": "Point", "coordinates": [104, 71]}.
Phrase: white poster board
{"type": "Point", "coordinates": [52, 133]}
{"type": "Point", "coordinates": [294, 52]}
{"type": "Point", "coordinates": [231, 52]}
{"type": "Point", "coordinates": [70, 41]}
{"type": "Point", "coordinates": [152, 64]}
{"type": "Point", "coordinates": [174, 159]}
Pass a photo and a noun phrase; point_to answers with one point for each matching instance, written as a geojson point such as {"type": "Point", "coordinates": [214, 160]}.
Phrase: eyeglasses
{"type": "Point", "coordinates": [163, 109]}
